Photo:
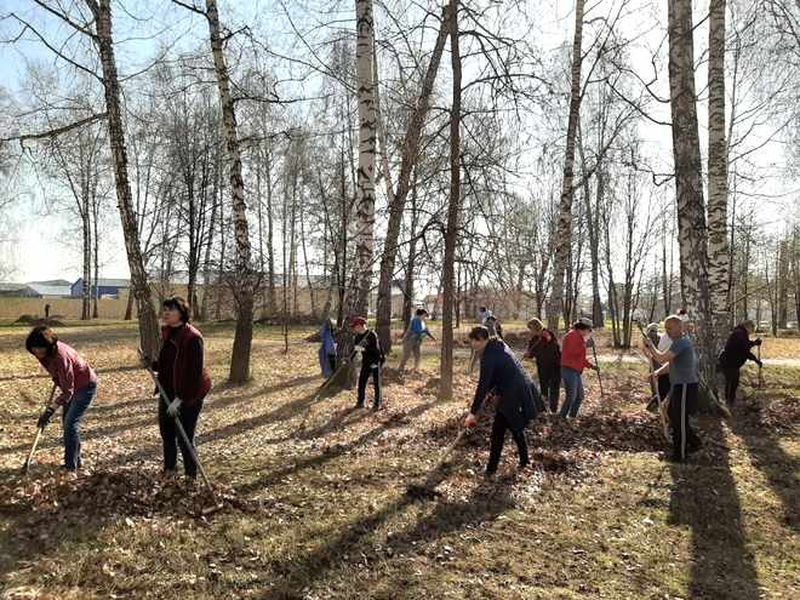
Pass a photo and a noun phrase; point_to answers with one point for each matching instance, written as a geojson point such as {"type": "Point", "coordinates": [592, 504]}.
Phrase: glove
{"type": "Point", "coordinates": [174, 406]}
{"type": "Point", "coordinates": [758, 341]}
{"type": "Point", "coordinates": [45, 417]}
{"type": "Point", "coordinates": [760, 363]}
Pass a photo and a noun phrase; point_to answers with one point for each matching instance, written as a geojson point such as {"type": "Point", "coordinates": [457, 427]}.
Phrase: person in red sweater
{"type": "Point", "coordinates": [573, 362]}
{"type": "Point", "coordinates": [183, 376]}
{"type": "Point", "coordinates": [77, 382]}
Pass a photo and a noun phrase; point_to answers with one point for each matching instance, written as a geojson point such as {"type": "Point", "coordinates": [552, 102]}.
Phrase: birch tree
{"type": "Point", "coordinates": [718, 251]}
{"type": "Point", "coordinates": [563, 237]}
{"type": "Point", "coordinates": [367, 142]}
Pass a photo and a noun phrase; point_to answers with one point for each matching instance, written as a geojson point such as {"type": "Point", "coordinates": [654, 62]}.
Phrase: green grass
{"type": "Point", "coordinates": [315, 492]}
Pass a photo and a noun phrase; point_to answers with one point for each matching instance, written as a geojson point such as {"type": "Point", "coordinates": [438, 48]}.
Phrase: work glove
{"type": "Point", "coordinates": [758, 341]}
{"type": "Point", "coordinates": [174, 406]}
{"type": "Point", "coordinates": [45, 417]}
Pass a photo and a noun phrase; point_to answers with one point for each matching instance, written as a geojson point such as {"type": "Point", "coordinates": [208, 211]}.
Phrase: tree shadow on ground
{"type": "Point", "coordinates": [777, 465]}
{"type": "Point", "coordinates": [486, 502]}
{"type": "Point", "coordinates": [334, 451]}
{"type": "Point", "coordinates": [705, 499]}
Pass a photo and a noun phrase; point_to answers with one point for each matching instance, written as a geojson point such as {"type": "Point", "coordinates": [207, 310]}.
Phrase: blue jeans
{"type": "Point", "coordinates": [573, 388]}
{"type": "Point", "coordinates": [71, 420]}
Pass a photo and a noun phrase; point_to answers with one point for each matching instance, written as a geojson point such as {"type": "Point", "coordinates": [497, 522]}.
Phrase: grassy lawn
{"type": "Point", "coordinates": [315, 492]}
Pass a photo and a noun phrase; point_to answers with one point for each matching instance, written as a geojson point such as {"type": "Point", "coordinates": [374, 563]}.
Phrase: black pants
{"type": "Point", "coordinates": [731, 383]}
{"type": "Point", "coordinates": [682, 403]}
{"type": "Point", "coordinates": [499, 427]}
{"type": "Point", "coordinates": [368, 371]}
{"type": "Point", "coordinates": [172, 439]}
{"type": "Point", "coordinates": [663, 387]}
{"type": "Point", "coordinates": [550, 382]}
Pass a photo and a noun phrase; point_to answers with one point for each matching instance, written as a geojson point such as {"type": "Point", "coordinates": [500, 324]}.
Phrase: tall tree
{"type": "Point", "coordinates": [367, 142]}
{"type": "Point", "coordinates": [453, 211]}
{"type": "Point", "coordinates": [244, 281]}
{"type": "Point", "coordinates": [692, 229]}
{"type": "Point", "coordinates": [397, 200]}
{"type": "Point", "coordinates": [563, 239]}
{"type": "Point", "coordinates": [718, 250]}
{"type": "Point", "coordinates": [104, 41]}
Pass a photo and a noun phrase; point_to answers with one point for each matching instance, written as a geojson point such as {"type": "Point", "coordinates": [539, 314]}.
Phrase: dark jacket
{"type": "Point", "coordinates": [502, 374]}
{"type": "Point", "coordinates": [180, 364]}
{"type": "Point", "coordinates": [372, 348]}
{"type": "Point", "coordinates": [737, 349]}
{"type": "Point", "coordinates": [544, 348]}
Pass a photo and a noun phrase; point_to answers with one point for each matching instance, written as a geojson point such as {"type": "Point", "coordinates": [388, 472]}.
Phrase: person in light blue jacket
{"type": "Point", "coordinates": [412, 339]}
{"type": "Point", "coordinates": [327, 349]}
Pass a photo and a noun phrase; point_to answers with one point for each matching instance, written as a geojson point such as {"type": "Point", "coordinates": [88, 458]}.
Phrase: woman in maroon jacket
{"type": "Point", "coordinates": [185, 381]}
{"type": "Point", "coordinates": [77, 382]}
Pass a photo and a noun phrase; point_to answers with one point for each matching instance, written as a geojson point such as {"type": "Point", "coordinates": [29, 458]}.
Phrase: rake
{"type": "Point", "coordinates": [39, 430]}
{"type": "Point", "coordinates": [192, 451]}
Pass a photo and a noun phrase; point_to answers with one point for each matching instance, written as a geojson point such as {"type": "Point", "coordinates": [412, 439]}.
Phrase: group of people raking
{"type": "Point", "coordinates": [504, 387]}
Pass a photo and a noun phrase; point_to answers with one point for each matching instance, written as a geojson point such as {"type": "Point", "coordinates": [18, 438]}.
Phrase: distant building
{"type": "Point", "coordinates": [108, 288]}
{"type": "Point", "coordinates": [55, 288]}
{"type": "Point", "coordinates": [17, 290]}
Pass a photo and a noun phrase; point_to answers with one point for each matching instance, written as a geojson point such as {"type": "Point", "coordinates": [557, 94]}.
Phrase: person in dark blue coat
{"type": "Point", "coordinates": [507, 384]}
{"type": "Point", "coordinates": [327, 349]}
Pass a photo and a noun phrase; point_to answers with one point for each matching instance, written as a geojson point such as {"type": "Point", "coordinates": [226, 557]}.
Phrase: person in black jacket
{"type": "Point", "coordinates": [738, 350]}
{"type": "Point", "coordinates": [506, 382]}
{"type": "Point", "coordinates": [543, 346]}
{"type": "Point", "coordinates": [372, 359]}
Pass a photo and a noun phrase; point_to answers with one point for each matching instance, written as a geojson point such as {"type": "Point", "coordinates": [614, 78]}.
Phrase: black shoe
{"type": "Point", "coordinates": [360, 405]}
{"type": "Point", "coordinates": [490, 475]}
{"type": "Point", "coordinates": [523, 465]}
{"type": "Point", "coordinates": [377, 407]}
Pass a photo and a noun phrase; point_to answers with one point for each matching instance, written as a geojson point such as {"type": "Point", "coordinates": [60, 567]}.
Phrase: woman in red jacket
{"type": "Point", "coordinates": [185, 381]}
{"type": "Point", "coordinates": [573, 362]}
{"type": "Point", "coordinates": [77, 382]}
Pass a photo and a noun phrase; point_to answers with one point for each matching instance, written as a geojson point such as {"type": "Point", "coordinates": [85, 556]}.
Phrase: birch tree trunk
{"type": "Point", "coordinates": [244, 285]}
{"type": "Point", "coordinates": [453, 212]}
{"type": "Point", "coordinates": [397, 201]}
{"type": "Point", "coordinates": [148, 322]}
{"type": "Point", "coordinates": [563, 238]}
{"type": "Point", "coordinates": [718, 250]}
{"type": "Point", "coordinates": [367, 141]}
{"type": "Point", "coordinates": [692, 231]}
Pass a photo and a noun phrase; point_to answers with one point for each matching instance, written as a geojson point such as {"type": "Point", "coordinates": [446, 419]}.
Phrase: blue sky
{"type": "Point", "coordinates": [158, 23]}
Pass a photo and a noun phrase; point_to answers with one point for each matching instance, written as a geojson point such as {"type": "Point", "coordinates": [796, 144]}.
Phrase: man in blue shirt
{"type": "Point", "coordinates": [412, 339]}
{"type": "Point", "coordinates": [681, 363]}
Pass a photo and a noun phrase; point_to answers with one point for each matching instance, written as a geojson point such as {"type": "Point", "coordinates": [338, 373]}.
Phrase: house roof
{"type": "Point", "coordinates": [50, 290]}
{"type": "Point", "coordinates": [119, 283]}
{"type": "Point", "coordinates": [61, 282]}
{"type": "Point", "coordinates": [13, 287]}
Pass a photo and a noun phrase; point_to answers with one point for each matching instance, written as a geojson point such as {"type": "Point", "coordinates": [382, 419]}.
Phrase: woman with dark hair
{"type": "Point", "coordinates": [77, 382]}
{"type": "Point", "coordinates": [737, 351]}
{"type": "Point", "coordinates": [543, 346]}
{"type": "Point", "coordinates": [573, 362]}
{"type": "Point", "coordinates": [185, 381]}
{"type": "Point", "coordinates": [503, 378]}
